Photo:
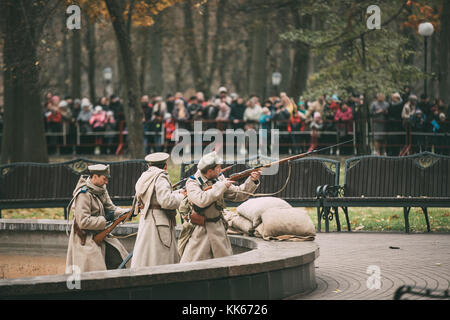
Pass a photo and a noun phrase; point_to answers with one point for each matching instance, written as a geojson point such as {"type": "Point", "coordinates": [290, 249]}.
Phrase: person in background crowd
{"type": "Point", "coordinates": [252, 113]}
{"type": "Point", "coordinates": [425, 105]}
{"type": "Point", "coordinates": [418, 122]}
{"type": "Point", "coordinates": [344, 117]}
{"type": "Point", "coordinates": [147, 110]}
{"type": "Point", "coordinates": [237, 113]}
{"type": "Point", "coordinates": [329, 112]}
{"type": "Point", "coordinates": [201, 99]}
{"type": "Point", "coordinates": [159, 110]}
{"type": "Point", "coordinates": [223, 95]}
{"type": "Point", "coordinates": [170, 102]}
{"type": "Point", "coordinates": [295, 128]}
{"type": "Point", "coordinates": [210, 113]}
{"type": "Point", "coordinates": [73, 132]}
{"type": "Point", "coordinates": [104, 103]}
{"type": "Point", "coordinates": [378, 111]}
{"type": "Point", "coordinates": [394, 117]}
{"type": "Point", "coordinates": [110, 126]}
{"type": "Point", "coordinates": [66, 120]}
{"type": "Point", "coordinates": [264, 131]}
{"type": "Point", "coordinates": [224, 112]}
{"type": "Point", "coordinates": [316, 125]}
{"type": "Point", "coordinates": [116, 106]}
{"type": "Point", "coordinates": [180, 114]}
{"type": "Point", "coordinates": [97, 122]}
{"type": "Point", "coordinates": [409, 108]}
{"type": "Point", "coordinates": [237, 118]}
{"type": "Point", "coordinates": [406, 93]}
{"type": "Point", "coordinates": [54, 124]}
{"type": "Point", "coordinates": [170, 127]}
{"type": "Point", "coordinates": [316, 106]}
{"type": "Point", "coordinates": [288, 103]}
{"type": "Point", "coordinates": [195, 110]}
{"type": "Point", "coordinates": [281, 118]}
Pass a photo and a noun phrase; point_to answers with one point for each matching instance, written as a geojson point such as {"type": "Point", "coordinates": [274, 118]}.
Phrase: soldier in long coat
{"type": "Point", "coordinates": [156, 243]}
{"type": "Point", "coordinates": [93, 209]}
{"type": "Point", "coordinates": [211, 240]}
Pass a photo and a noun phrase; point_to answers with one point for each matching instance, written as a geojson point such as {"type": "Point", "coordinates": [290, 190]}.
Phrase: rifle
{"type": "Point", "coordinates": [179, 183]}
{"type": "Point", "coordinates": [99, 237]}
{"type": "Point", "coordinates": [246, 173]}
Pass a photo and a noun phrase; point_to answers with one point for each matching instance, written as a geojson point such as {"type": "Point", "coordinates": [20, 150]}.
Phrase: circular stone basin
{"type": "Point", "coordinates": [258, 269]}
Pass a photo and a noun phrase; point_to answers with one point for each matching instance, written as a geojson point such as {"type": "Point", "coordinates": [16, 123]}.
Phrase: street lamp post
{"type": "Point", "coordinates": [426, 30]}
{"type": "Point", "coordinates": [276, 80]}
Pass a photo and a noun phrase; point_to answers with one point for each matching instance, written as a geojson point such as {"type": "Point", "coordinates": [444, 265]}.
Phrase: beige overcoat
{"type": "Point", "coordinates": [156, 242]}
{"type": "Point", "coordinates": [90, 204]}
{"type": "Point", "coordinates": [211, 241]}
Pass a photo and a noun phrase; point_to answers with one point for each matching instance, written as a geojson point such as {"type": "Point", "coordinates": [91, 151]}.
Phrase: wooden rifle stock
{"type": "Point", "coordinates": [221, 171]}
{"type": "Point", "coordinates": [99, 237]}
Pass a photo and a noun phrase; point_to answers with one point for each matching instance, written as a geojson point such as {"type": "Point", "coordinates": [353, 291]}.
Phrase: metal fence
{"type": "Point", "coordinates": [397, 139]}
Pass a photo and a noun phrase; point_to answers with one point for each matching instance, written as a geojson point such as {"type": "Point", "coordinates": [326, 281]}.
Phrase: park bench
{"type": "Point", "coordinates": [307, 174]}
{"type": "Point", "coordinates": [37, 185]}
{"type": "Point", "coordinates": [420, 180]}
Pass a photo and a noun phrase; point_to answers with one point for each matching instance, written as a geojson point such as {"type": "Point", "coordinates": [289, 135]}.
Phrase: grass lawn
{"type": "Point", "coordinates": [361, 219]}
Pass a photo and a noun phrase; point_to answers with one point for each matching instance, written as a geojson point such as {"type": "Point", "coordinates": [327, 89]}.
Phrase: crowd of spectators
{"type": "Point", "coordinates": [79, 118]}
{"type": "Point", "coordinates": [304, 125]}
{"type": "Point", "coordinates": [425, 123]}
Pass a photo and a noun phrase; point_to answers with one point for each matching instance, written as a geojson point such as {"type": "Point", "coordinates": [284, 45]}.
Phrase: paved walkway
{"type": "Point", "coordinates": [422, 260]}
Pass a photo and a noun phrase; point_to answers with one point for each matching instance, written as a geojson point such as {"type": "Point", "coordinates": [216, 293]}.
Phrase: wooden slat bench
{"type": "Point", "coordinates": [420, 180]}
{"type": "Point", "coordinates": [307, 175]}
{"type": "Point", "coordinates": [36, 185]}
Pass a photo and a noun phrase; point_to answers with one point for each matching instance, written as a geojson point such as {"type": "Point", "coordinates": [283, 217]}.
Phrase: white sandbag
{"type": "Point", "coordinates": [252, 209]}
{"type": "Point", "coordinates": [242, 224]}
{"type": "Point", "coordinates": [238, 223]}
{"type": "Point", "coordinates": [287, 223]}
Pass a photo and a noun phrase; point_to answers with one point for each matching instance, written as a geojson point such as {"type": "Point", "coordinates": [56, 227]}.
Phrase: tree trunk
{"type": "Point", "coordinates": [258, 64]}
{"type": "Point", "coordinates": [285, 63]}
{"type": "Point", "coordinates": [144, 34]}
{"type": "Point", "coordinates": [91, 45]}
{"type": "Point", "coordinates": [443, 52]}
{"type": "Point", "coordinates": [23, 133]}
{"type": "Point", "coordinates": [133, 112]}
{"type": "Point", "coordinates": [156, 66]}
{"type": "Point", "coordinates": [218, 40]}
{"type": "Point", "coordinates": [191, 47]}
{"type": "Point", "coordinates": [65, 63]}
{"type": "Point", "coordinates": [205, 34]}
{"type": "Point", "coordinates": [76, 63]}
{"type": "Point", "coordinates": [300, 66]}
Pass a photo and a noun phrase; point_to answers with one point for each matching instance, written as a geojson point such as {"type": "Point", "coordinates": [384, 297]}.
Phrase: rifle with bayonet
{"type": "Point", "coordinates": [246, 173]}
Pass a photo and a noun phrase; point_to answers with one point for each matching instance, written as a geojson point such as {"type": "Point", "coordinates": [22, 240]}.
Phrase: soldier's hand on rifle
{"type": "Point", "coordinates": [229, 182]}
{"type": "Point", "coordinates": [255, 175]}
{"type": "Point", "coordinates": [109, 216]}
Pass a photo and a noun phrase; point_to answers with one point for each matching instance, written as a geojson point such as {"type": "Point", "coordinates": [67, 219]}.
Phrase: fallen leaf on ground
{"type": "Point", "coordinates": [359, 228]}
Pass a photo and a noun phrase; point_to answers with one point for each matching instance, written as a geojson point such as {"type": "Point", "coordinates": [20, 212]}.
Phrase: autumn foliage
{"type": "Point", "coordinates": [422, 13]}
{"type": "Point", "coordinates": [142, 12]}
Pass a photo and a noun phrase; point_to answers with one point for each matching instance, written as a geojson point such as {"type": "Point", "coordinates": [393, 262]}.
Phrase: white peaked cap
{"type": "Point", "coordinates": [209, 159]}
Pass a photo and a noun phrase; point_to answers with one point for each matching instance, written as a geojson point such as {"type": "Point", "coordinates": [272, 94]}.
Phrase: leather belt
{"type": "Point", "coordinates": [155, 206]}
{"type": "Point", "coordinates": [213, 219]}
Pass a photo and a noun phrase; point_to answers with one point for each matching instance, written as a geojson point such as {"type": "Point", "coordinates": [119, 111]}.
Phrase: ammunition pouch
{"type": "Point", "coordinates": [79, 232]}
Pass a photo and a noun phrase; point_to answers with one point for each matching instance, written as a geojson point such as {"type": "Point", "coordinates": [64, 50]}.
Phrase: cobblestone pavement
{"type": "Point", "coordinates": [421, 260]}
